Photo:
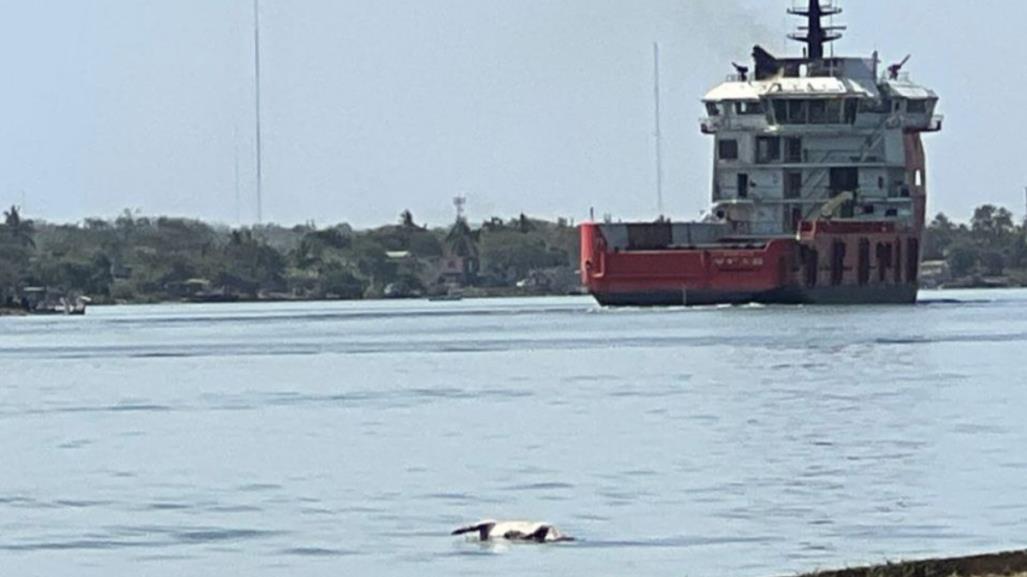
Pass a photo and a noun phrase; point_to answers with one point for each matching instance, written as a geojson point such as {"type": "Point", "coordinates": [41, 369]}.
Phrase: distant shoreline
{"type": "Point", "coordinates": [479, 295]}
{"type": "Point", "coordinates": [475, 295]}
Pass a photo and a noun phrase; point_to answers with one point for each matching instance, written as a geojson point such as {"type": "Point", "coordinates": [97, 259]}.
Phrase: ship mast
{"type": "Point", "coordinates": [814, 34]}
{"type": "Point", "coordinates": [658, 132]}
{"type": "Point", "coordinates": [259, 131]}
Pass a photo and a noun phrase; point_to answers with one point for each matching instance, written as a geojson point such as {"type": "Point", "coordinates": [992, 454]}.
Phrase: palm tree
{"type": "Point", "coordinates": [20, 231]}
{"type": "Point", "coordinates": [406, 220]}
{"type": "Point", "coordinates": [524, 224]}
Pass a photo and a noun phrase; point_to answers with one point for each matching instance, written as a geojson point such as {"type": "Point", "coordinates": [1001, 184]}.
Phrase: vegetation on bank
{"type": "Point", "coordinates": [990, 250]}
{"type": "Point", "coordinates": [139, 259]}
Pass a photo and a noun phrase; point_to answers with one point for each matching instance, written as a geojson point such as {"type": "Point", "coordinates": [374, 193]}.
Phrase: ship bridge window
{"type": "Point", "coordinates": [747, 108]}
{"type": "Point", "coordinates": [872, 106]}
{"type": "Point", "coordinates": [916, 107]}
{"type": "Point", "coordinates": [727, 149]}
{"type": "Point", "coordinates": [712, 109]}
{"type": "Point", "coordinates": [834, 111]}
{"type": "Point", "coordinates": [825, 111]}
{"type": "Point", "coordinates": [818, 112]}
{"type": "Point", "coordinates": [791, 111]}
{"type": "Point", "coordinates": [851, 106]}
{"type": "Point", "coordinates": [815, 111]}
{"type": "Point", "coordinates": [798, 112]}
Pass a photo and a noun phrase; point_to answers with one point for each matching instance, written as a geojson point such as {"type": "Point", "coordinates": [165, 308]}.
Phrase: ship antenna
{"type": "Point", "coordinates": [658, 132]}
{"type": "Point", "coordinates": [814, 34]}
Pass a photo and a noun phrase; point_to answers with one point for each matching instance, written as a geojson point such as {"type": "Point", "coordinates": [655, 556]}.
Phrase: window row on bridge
{"type": "Point", "coordinates": [817, 111]}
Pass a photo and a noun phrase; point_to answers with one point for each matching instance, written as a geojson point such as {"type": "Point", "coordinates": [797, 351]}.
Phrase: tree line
{"type": "Point", "coordinates": [991, 244]}
{"type": "Point", "coordinates": [133, 258]}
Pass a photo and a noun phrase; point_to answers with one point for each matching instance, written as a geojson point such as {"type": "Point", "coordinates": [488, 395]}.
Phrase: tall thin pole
{"type": "Point", "coordinates": [659, 133]}
{"type": "Point", "coordinates": [259, 136]}
{"type": "Point", "coordinates": [235, 150]}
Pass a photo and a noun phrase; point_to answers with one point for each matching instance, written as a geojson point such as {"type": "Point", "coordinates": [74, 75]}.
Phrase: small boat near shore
{"type": "Point", "coordinates": [451, 294]}
{"type": "Point", "coordinates": [41, 301]}
{"type": "Point", "coordinates": [446, 298]}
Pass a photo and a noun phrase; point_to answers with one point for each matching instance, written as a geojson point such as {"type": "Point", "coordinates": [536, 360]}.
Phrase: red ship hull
{"type": "Point", "coordinates": [827, 262]}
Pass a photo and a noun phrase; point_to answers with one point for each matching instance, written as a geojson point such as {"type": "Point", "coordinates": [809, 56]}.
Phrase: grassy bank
{"type": "Point", "coordinates": [1012, 563]}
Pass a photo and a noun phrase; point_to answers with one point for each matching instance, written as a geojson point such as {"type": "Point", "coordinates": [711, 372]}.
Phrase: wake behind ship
{"type": "Point", "coordinates": [819, 190]}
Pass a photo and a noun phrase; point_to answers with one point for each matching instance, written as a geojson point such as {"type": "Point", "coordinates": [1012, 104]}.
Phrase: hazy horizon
{"type": "Point", "coordinates": [376, 106]}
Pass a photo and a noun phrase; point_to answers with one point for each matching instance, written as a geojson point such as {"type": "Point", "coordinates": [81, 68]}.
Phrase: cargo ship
{"type": "Point", "coordinates": [819, 189]}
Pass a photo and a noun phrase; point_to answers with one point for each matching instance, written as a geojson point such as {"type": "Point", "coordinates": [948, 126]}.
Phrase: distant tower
{"type": "Point", "coordinates": [460, 202]}
{"type": "Point", "coordinates": [814, 34]}
{"type": "Point", "coordinates": [658, 133]}
{"type": "Point", "coordinates": [235, 150]}
{"type": "Point", "coordinates": [258, 129]}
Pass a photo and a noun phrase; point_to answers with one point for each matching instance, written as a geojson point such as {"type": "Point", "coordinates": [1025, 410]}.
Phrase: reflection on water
{"type": "Point", "coordinates": [327, 439]}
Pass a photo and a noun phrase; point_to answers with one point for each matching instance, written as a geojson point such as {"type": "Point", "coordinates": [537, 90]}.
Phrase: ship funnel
{"type": "Point", "coordinates": [814, 34]}
{"type": "Point", "coordinates": [767, 66]}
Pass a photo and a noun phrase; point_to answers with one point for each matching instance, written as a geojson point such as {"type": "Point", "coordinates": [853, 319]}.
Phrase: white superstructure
{"type": "Point", "coordinates": [796, 133]}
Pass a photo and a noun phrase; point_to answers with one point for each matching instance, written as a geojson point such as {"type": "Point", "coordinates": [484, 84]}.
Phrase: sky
{"type": "Point", "coordinates": [371, 107]}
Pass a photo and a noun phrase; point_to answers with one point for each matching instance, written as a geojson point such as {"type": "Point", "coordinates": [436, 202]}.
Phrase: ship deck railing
{"type": "Point", "coordinates": [822, 200]}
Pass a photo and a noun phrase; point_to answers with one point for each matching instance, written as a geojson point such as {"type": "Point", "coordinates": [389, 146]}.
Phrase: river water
{"type": "Point", "coordinates": [349, 439]}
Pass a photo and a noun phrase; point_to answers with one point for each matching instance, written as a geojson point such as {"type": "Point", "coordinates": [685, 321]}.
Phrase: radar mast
{"type": "Point", "coordinates": [814, 34]}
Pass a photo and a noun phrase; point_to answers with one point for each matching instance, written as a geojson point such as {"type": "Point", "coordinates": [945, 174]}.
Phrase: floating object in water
{"type": "Point", "coordinates": [521, 531]}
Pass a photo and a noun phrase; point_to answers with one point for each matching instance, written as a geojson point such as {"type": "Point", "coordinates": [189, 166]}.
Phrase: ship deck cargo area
{"type": "Point", "coordinates": [829, 262]}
